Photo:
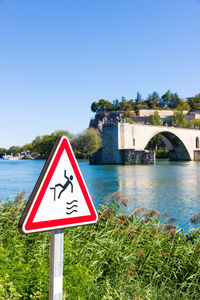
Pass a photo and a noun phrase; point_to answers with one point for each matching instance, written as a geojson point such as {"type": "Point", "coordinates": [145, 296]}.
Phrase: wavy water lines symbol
{"type": "Point", "coordinates": [71, 207]}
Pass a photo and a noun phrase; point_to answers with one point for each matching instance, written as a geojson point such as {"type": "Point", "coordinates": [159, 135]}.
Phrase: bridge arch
{"type": "Point", "coordinates": [180, 151]}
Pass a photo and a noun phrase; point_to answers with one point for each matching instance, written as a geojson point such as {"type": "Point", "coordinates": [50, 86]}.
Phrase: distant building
{"type": "Point", "coordinates": [162, 113]}
{"type": "Point", "coordinates": [142, 116]}
{"type": "Point", "coordinates": [192, 115]}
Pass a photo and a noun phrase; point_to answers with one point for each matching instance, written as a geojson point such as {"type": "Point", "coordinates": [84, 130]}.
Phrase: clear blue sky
{"type": "Point", "coordinates": [57, 57]}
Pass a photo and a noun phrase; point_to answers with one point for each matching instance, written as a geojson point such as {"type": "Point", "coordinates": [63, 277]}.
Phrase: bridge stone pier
{"type": "Point", "coordinates": [125, 143]}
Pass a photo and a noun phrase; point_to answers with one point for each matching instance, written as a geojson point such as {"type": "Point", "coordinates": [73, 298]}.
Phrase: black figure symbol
{"type": "Point", "coordinates": [63, 186]}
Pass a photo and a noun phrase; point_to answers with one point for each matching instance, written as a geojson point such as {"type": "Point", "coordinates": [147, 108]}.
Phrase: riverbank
{"type": "Point", "coordinates": [120, 257]}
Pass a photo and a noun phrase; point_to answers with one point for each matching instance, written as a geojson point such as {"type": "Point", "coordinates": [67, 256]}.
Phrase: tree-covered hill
{"type": "Point", "coordinates": [153, 101]}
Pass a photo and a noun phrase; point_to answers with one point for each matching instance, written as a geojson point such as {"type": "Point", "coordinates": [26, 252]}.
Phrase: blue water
{"type": "Point", "coordinates": [172, 187]}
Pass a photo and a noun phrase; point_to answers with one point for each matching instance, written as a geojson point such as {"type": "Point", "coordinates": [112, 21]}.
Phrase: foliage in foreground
{"type": "Point", "coordinates": [120, 257]}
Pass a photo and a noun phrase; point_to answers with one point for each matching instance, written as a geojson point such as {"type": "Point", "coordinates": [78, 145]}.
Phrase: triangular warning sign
{"type": "Point", "coordinates": [60, 198]}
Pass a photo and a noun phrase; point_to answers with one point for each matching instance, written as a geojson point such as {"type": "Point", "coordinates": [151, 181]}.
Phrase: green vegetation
{"type": "Point", "coordinates": [3, 151]}
{"type": "Point", "coordinates": [154, 101]}
{"type": "Point", "coordinates": [120, 257]}
{"type": "Point", "coordinates": [162, 153]}
{"type": "Point", "coordinates": [179, 119]}
{"type": "Point", "coordinates": [194, 123]}
{"type": "Point", "coordinates": [42, 145]}
{"type": "Point", "coordinates": [83, 144]}
{"type": "Point", "coordinates": [86, 143]}
{"type": "Point", "coordinates": [130, 121]}
{"type": "Point", "coordinates": [194, 102]}
{"type": "Point", "coordinates": [156, 144]}
{"type": "Point", "coordinates": [155, 119]}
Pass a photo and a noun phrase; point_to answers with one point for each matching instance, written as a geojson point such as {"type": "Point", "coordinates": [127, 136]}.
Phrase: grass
{"type": "Point", "coordinates": [120, 257]}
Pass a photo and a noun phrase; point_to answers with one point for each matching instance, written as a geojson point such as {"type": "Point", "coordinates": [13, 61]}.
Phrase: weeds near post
{"type": "Point", "coordinates": [120, 257]}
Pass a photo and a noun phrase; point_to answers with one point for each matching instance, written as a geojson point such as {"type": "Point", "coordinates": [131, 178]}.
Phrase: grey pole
{"type": "Point", "coordinates": [56, 264]}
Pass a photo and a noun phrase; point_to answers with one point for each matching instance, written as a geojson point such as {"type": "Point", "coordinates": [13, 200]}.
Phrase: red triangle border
{"type": "Point", "coordinates": [31, 226]}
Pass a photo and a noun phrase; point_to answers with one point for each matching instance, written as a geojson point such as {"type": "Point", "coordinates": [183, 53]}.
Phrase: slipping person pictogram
{"type": "Point", "coordinates": [63, 186]}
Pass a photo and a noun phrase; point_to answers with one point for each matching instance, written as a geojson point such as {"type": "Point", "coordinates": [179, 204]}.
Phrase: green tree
{"type": "Point", "coordinates": [15, 150]}
{"type": "Point", "coordinates": [178, 103]}
{"type": "Point", "coordinates": [95, 107]}
{"type": "Point", "coordinates": [69, 135]}
{"type": "Point", "coordinates": [102, 105]}
{"type": "Point", "coordinates": [155, 142]}
{"type": "Point", "coordinates": [166, 98]}
{"type": "Point", "coordinates": [106, 105]}
{"type": "Point", "coordinates": [130, 121]}
{"type": "Point", "coordinates": [170, 121]}
{"type": "Point", "coordinates": [194, 102]}
{"type": "Point", "coordinates": [123, 99]}
{"type": "Point", "coordinates": [174, 101]}
{"type": "Point", "coordinates": [43, 144]}
{"type": "Point", "coordinates": [154, 101]}
{"type": "Point", "coordinates": [195, 123]}
{"type": "Point", "coordinates": [86, 143]}
{"type": "Point", "coordinates": [125, 106]}
{"type": "Point", "coordinates": [3, 151]}
{"type": "Point", "coordinates": [155, 119]}
{"type": "Point", "coordinates": [179, 119]}
{"type": "Point", "coordinates": [138, 97]}
{"type": "Point", "coordinates": [141, 105]}
{"type": "Point", "coordinates": [183, 105]}
{"type": "Point", "coordinates": [27, 147]}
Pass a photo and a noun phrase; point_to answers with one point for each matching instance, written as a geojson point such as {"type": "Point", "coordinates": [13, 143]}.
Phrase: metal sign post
{"type": "Point", "coordinates": [56, 264]}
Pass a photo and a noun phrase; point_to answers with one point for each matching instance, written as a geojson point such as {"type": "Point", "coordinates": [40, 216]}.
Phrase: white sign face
{"type": "Point", "coordinates": [60, 198]}
{"type": "Point", "coordinates": [63, 197]}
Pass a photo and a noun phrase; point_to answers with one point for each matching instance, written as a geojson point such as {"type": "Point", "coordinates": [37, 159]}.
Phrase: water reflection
{"type": "Point", "coordinates": [172, 187]}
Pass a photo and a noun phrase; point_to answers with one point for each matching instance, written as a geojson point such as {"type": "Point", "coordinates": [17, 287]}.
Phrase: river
{"type": "Point", "coordinates": [171, 187]}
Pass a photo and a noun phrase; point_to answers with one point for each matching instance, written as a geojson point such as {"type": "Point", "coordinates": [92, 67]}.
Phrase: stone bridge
{"type": "Point", "coordinates": [125, 143]}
